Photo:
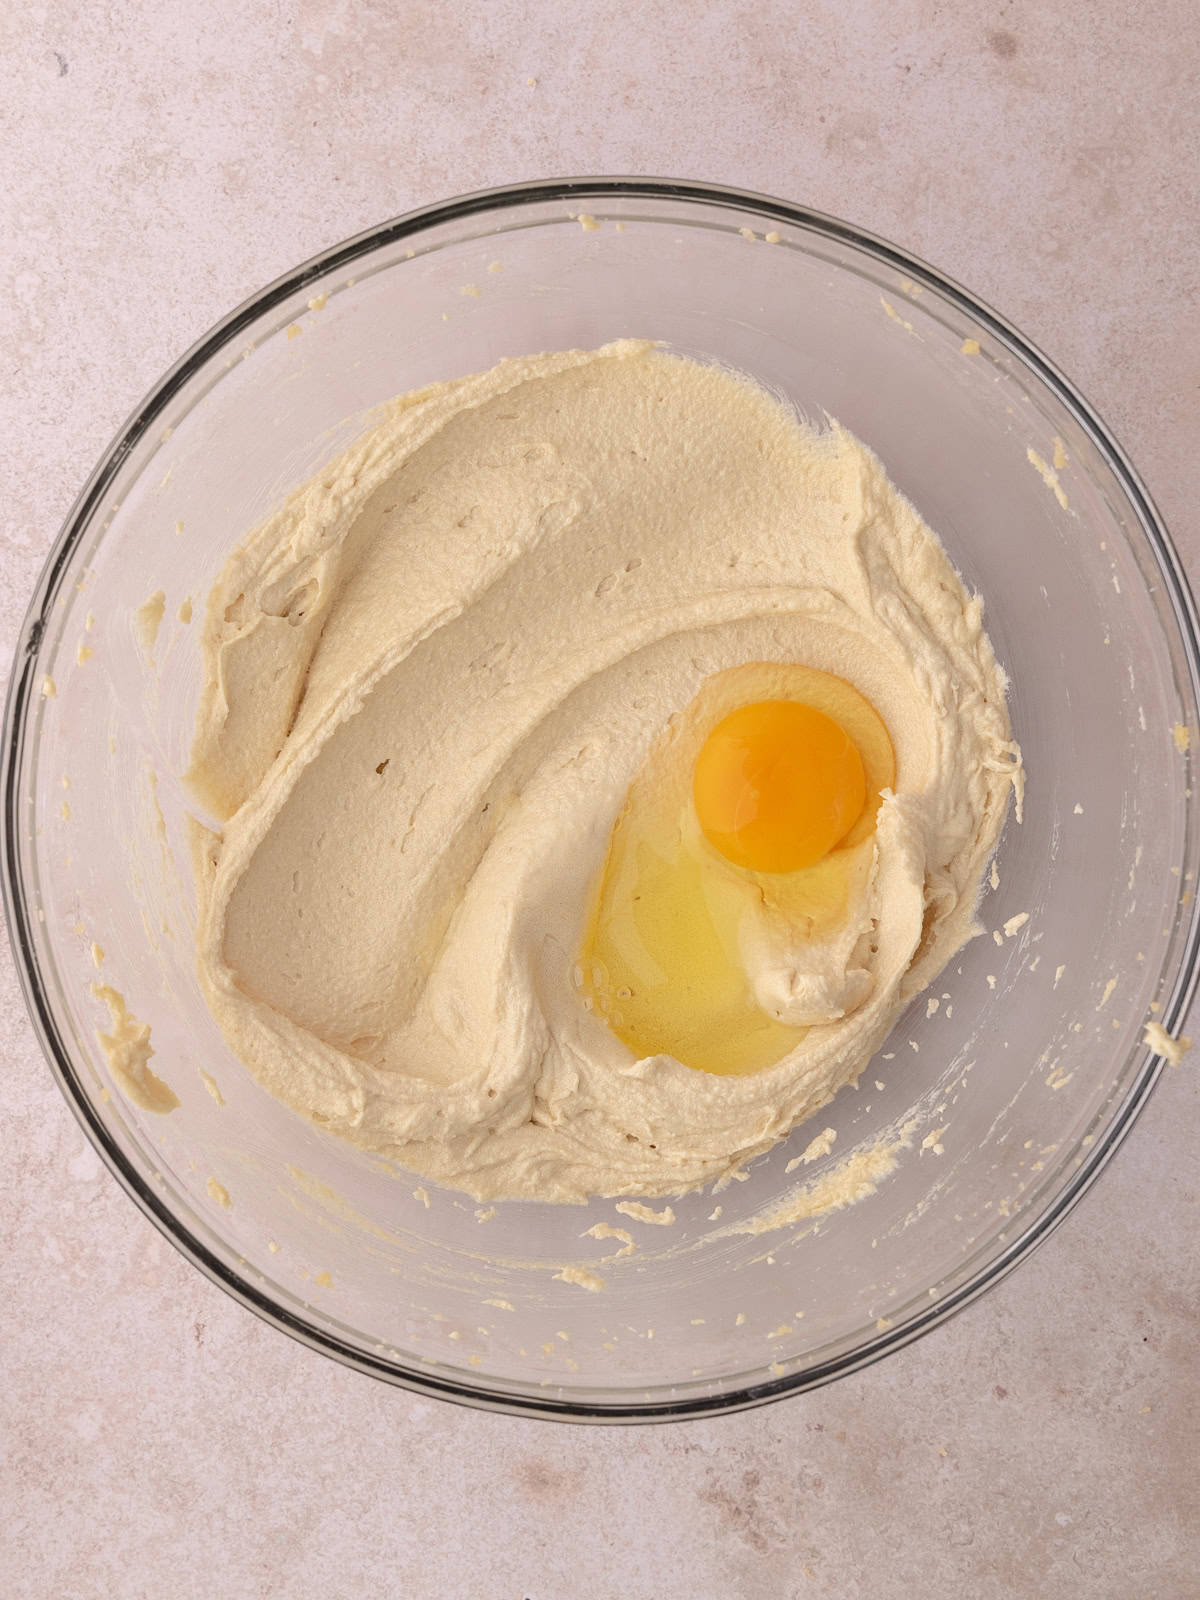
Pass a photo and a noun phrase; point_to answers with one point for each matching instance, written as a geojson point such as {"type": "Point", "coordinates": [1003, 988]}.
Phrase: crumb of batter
{"type": "Point", "coordinates": [1048, 476]}
{"type": "Point", "coordinates": [814, 1150]}
{"type": "Point", "coordinates": [127, 1049]}
{"type": "Point", "coordinates": [603, 1230]}
{"type": "Point", "coordinates": [856, 1178]}
{"type": "Point", "coordinates": [1160, 1041]}
{"type": "Point", "coordinates": [640, 1213]}
{"type": "Point", "coordinates": [147, 619]}
{"type": "Point", "coordinates": [582, 1277]}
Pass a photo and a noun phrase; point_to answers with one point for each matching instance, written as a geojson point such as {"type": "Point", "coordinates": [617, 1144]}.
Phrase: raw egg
{"type": "Point", "coordinates": [759, 800]}
{"type": "Point", "coordinates": [777, 785]}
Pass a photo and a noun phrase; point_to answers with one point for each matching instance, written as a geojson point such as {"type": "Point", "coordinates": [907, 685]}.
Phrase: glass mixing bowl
{"type": "Point", "coordinates": [1015, 1091]}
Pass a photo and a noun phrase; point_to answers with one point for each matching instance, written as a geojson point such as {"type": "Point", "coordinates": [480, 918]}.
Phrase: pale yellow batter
{"type": "Point", "coordinates": [432, 677]}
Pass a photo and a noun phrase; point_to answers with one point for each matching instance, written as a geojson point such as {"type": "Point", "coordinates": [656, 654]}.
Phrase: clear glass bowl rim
{"type": "Point", "coordinates": [19, 910]}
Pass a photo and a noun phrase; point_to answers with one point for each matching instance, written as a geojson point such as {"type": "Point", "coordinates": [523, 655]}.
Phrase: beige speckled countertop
{"type": "Point", "coordinates": [161, 163]}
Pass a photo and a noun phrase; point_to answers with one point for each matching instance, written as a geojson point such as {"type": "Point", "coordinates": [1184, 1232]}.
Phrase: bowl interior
{"type": "Point", "coordinates": [989, 1109]}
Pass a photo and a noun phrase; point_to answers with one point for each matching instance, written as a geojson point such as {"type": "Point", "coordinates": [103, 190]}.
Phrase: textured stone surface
{"type": "Point", "coordinates": [161, 163]}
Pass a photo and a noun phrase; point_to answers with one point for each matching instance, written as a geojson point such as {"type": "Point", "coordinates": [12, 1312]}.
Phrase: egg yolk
{"type": "Point", "coordinates": [777, 785]}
